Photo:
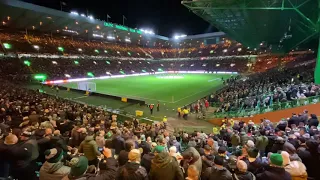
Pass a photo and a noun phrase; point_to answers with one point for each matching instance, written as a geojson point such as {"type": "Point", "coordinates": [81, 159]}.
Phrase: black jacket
{"type": "Point", "coordinates": [243, 176]}
{"type": "Point", "coordinates": [145, 146]}
{"type": "Point", "coordinates": [256, 166]}
{"type": "Point", "coordinates": [207, 161]}
{"type": "Point", "coordinates": [311, 161]}
{"type": "Point", "coordinates": [123, 157]}
{"type": "Point", "coordinates": [118, 144]}
{"type": "Point", "coordinates": [313, 121]}
{"type": "Point", "coordinates": [132, 171]}
{"type": "Point", "coordinates": [146, 161]}
{"type": "Point", "coordinates": [274, 173]}
{"type": "Point", "coordinates": [108, 168]}
{"type": "Point", "coordinates": [214, 173]}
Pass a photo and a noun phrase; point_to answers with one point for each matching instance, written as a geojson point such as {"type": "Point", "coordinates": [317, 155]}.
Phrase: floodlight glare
{"type": "Point", "coordinates": [90, 17]}
{"type": "Point", "coordinates": [74, 13]}
{"type": "Point", "coordinates": [80, 50]}
{"type": "Point", "coordinates": [83, 15]}
{"type": "Point", "coordinates": [36, 47]}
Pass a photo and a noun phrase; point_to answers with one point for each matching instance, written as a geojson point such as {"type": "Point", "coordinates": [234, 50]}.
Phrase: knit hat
{"type": "Point", "coordinates": [276, 159]}
{"type": "Point", "coordinates": [79, 166]}
{"type": "Point", "coordinates": [53, 155]}
{"type": "Point", "coordinates": [134, 155]}
{"type": "Point", "coordinates": [158, 149]}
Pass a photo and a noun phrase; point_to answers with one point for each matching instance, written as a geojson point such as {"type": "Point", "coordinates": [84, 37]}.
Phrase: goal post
{"type": "Point", "coordinates": [87, 86]}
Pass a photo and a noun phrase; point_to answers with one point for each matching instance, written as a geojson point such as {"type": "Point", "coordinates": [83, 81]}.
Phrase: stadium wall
{"type": "Point", "coordinates": [275, 116]}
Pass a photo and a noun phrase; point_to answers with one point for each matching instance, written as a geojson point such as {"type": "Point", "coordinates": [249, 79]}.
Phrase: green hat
{"type": "Point", "coordinates": [79, 166]}
{"type": "Point", "coordinates": [276, 159]}
{"type": "Point", "coordinates": [158, 149]}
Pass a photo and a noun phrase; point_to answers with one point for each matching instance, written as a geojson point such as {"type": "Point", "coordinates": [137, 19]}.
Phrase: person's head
{"type": "Point", "coordinates": [128, 145]}
{"type": "Point", "coordinates": [172, 150]}
{"type": "Point", "coordinates": [302, 131]}
{"type": "Point", "coordinates": [218, 160]}
{"type": "Point", "coordinates": [286, 157]}
{"type": "Point", "coordinates": [158, 149]}
{"type": "Point", "coordinates": [276, 160]}
{"type": "Point", "coordinates": [102, 133]}
{"type": "Point", "coordinates": [79, 166]}
{"type": "Point", "coordinates": [242, 166]}
{"type": "Point", "coordinates": [134, 156]}
{"type": "Point", "coordinates": [207, 149]}
{"type": "Point", "coordinates": [222, 151]}
{"type": "Point", "coordinates": [48, 131]}
{"type": "Point", "coordinates": [53, 155]}
{"type": "Point", "coordinates": [149, 139]}
{"type": "Point", "coordinates": [56, 133]}
{"type": "Point", "coordinates": [210, 142]}
{"type": "Point", "coordinates": [253, 153]}
{"type": "Point", "coordinates": [193, 172]}
{"type": "Point", "coordinates": [11, 139]}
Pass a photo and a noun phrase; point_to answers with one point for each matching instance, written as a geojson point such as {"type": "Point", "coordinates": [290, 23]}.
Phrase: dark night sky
{"type": "Point", "coordinates": [165, 17]}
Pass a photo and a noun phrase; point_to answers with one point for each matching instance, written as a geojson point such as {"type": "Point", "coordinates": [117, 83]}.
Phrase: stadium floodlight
{"type": "Point", "coordinates": [176, 37]}
{"type": "Point", "coordinates": [36, 47]}
{"type": "Point", "coordinates": [76, 62]}
{"type": "Point", "coordinates": [94, 62]}
{"type": "Point", "coordinates": [97, 35]}
{"type": "Point", "coordinates": [90, 74]}
{"type": "Point", "coordinates": [129, 53]}
{"type": "Point", "coordinates": [118, 52]}
{"type": "Point", "coordinates": [7, 45]}
{"type": "Point", "coordinates": [67, 75]}
{"type": "Point", "coordinates": [132, 71]}
{"type": "Point", "coordinates": [54, 62]}
{"type": "Point", "coordinates": [232, 64]}
{"type": "Point", "coordinates": [40, 77]}
{"type": "Point", "coordinates": [105, 51]}
{"type": "Point", "coordinates": [192, 65]}
{"type": "Point", "coordinates": [255, 49]}
{"type": "Point", "coordinates": [127, 40]}
{"type": "Point", "coordinates": [108, 62]}
{"type": "Point", "coordinates": [27, 63]}
{"type": "Point", "coordinates": [96, 50]}
{"type": "Point", "coordinates": [80, 50]}
{"type": "Point", "coordinates": [147, 31]}
{"type": "Point", "coordinates": [239, 49]}
{"type": "Point", "coordinates": [83, 15]}
{"type": "Point", "coordinates": [108, 73]}
{"type": "Point", "coordinates": [111, 37]}
{"type": "Point", "coordinates": [60, 49]}
{"type": "Point", "coordinates": [130, 62]}
{"type": "Point", "coordinates": [74, 13]}
{"type": "Point", "coordinates": [225, 50]}
{"type": "Point", "coordinates": [217, 65]}
{"type": "Point", "coordinates": [90, 17]}
{"type": "Point", "coordinates": [211, 52]}
{"type": "Point", "coordinates": [119, 62]}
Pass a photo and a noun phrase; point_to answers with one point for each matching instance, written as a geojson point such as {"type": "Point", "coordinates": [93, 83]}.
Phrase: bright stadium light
{"type": "Point", "coordinates": [90, 17]}
{"type": "Point", "coordinates": [176, 37]}
{"type": "Point", "coordinates": [76, 62]}
{"type": "Point", "coordinates": [74, 13]}
{"type": "Point", "coordinates": [54, 62]}
{"type": "Point", "coordinates": [225, 50]}
{"type": "Point", "coordinates": [7, 45]}
{"type": "Point", "coordinates": [27, 63]}
{"type": "Point", "coordinates": [127, 40]}
{"type": "Point", "coordinates": [147, 31]}
{"type": "Point", "coordinates": [60, 49]}
{"type": "Point", "coordinates": [94, 62]}
{"type": "Point", "coordinates": [105, 51]}
{"type": "Point", "coordinates": [217, 65]}
{"type": "Point", "coordinates": [83, 15]}
{"type": "Point", "coordinates": [80, 50]}
{"type": "Point", "coordinates": [96, 51]}
{"type": "Point", "coordinates": [239, 49]}
{"type": "Point", "coordinates": [36, 47]}
{"type": "Point", "coordinates": [108, 73]}
{"type": "Point", "coordinates": [67, 75]}
{"type": "Point", "coordinates": [90, 74]}
{"type": "Point", "coordinates": [111, 37]}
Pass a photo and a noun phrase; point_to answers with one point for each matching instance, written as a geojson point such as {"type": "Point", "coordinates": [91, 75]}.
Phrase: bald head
{"type": "Point", "coordinates": [11, 139]}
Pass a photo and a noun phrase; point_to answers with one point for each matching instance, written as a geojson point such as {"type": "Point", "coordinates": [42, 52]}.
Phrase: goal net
{"type": "Point", "coordinates": [87, 86]}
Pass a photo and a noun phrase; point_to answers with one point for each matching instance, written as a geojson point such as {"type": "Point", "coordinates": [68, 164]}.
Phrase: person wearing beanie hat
{"type": "Point", "coordinates": [144, 145]}
{"type": "Point", "coordinates": [164, 166]}
{"type": "Point", "coordinates": [53, 168]}
{"type": "Point", "coordinates": [275, 170]}
{"type": "Point", "coordinates": [132, 169]}
{"type": "Point", "coordinates": [79, 166]}
{"type": "Point", "coordinates": [218, 171]}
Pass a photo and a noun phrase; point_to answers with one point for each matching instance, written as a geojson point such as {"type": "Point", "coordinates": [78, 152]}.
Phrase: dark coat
{"type": "Point", "coordinates": [132, 171]}
{"type": "Point", "coordinates": [108, 168]}
{"type": "Point", "coordinates": [256, 166]}
{"type": "Point", "coordinates": [311, 161]}
{"type": "Point", "coordinates": [274, 173]}
{"type": "Point", "coordinates": [165, 167]}
{"type": "Point", "coordinates": [207, 161]}
{"type": "Point", "coordinates": [146, 161]}
{"type": "Point", "coordinates": [214, 173]}
{"type": "Point", "coordinates": [313, 121]}
{"type": "Point", "coordinates": [145, 146]}
{"type": "Point", "coordinates": [123, 157]}
{"type": "Point", "coordinates": [118, 144]}
{"type": "Point", "coordinates": [243, 176]}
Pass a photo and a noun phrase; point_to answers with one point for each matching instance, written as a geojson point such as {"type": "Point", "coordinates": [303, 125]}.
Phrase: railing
{"type": "Point", "coordinates": [274, 107]}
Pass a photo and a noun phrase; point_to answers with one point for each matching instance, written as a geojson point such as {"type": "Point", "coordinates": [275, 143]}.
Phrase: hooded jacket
{"type": "Point", "coordinates": [207, 161]}
{"type": "Point", "coordinates": [132, 171]}
{"type": "Point", "coordinates": [53, 171]}
{"type": "Point", "coordinates": [165, 167]}
{"type": "Point", "coordinates": [297, 170]}
{"type": "Point", "coordinates": [90, 148]}
{"type": "Point", "coordinates": [214, 173]}
{"type": "Point", "coordinates": [274, 173]}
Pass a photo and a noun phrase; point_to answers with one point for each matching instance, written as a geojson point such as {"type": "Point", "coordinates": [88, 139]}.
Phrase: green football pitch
{"type": "Point", "coordinates": [170, 90]}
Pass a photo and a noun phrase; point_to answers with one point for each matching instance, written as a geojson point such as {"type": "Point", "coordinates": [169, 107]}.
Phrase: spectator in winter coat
{"type": "Point", "coordinates": [147, 158]}
{"type": "Point", "coordinates": [164, 166]}
{"type": "Point", "coordinates": [295, 168]}
{"type": "Point", "coordinates": [275, 170]}
{"type": "Point", "coordinates": [262, 142]}
{"type": "Point", "coordinates": [101, 142]}
{"type": "Point", "coordinates": [108, 165]}
{"type": "Point", "coordinates": [242, 172]}
{"type": "Point", "coordinates": [235, 140]}
{"type": "Point", "coordinates": [132, 169]}
{"type": "Point", "coordinates": [53, 168]}
{"type": "Point", "coordinates": [311, 158]}
{"type": "Point", "coordinates": [117, 142]}
{"type": "Point", "coordinates": [217, 171]}
{"type": "Point", "coordinates": [192, 157]}
{"type": "Point", "coordinates": [90, 149]}
{"type": "Point", "coordinates": [144, 145]}
{"type": "Point", "coordinates": [123, 155]}
{"type": "Point", "coordinates": [207, 158]}
{"type": "Point", "coordinates": [255, 165]}
{"type": "Point", "coordinates": [313, 121]}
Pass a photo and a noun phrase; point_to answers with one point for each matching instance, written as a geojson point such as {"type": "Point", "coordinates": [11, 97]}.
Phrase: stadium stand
{"type": "Point", "coordinates": [50, 138]}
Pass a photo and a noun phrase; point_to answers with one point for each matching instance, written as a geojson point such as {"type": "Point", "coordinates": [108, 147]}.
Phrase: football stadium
{"type": "Point", "coordinates": [159, 90]}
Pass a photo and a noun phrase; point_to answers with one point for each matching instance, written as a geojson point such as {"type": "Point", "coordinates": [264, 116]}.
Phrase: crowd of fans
{"type": "Point", "coordinates": [56, 139]}
{"type": "Point", "coordinates": [266, 88]}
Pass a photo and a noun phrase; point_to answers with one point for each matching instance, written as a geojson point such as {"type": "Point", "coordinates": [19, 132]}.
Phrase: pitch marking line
{"type": "Point", "coordinates": [80, 97]}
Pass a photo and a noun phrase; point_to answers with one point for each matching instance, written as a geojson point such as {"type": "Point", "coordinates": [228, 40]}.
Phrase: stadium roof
{"type": "Point", "coordinates": [280, 25]}
{"type": "Point", "coordinates": [25, 16]}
